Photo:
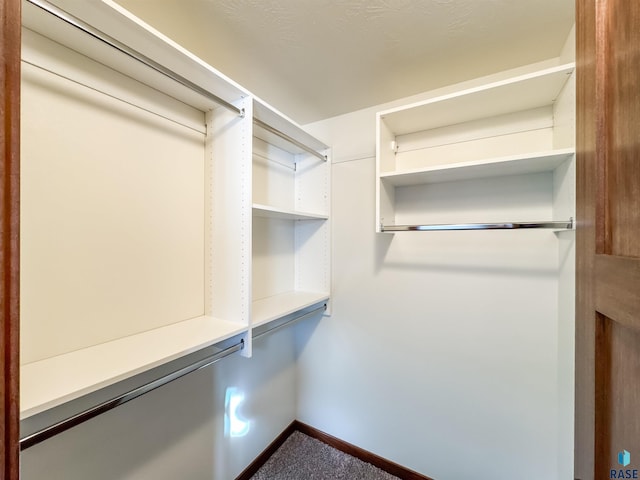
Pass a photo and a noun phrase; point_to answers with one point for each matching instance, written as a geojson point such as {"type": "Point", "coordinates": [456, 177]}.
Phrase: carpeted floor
{"type": "Point", "coordinates": [304, 458]}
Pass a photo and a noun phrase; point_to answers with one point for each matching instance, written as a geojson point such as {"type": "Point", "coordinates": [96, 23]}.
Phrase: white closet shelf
{"type": "Point", "coordinates": [494, 167]}
{"type": "Point", "coordinates": [115, 21]}
{"type": "Point", "coordinates": [53, 381]}
{"type": "Point", "coordinates": [268, 115]}
{"type": "Point", "coordinates": [267, 211]}
{"type": "Point", "coordinates": [277, 306]}
{"type": "Point", "coordinates": [515, 94]}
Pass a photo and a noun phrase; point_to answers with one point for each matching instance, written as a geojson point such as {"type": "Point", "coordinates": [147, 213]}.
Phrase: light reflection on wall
{"type": "Point", "coordinates": [234, 424]}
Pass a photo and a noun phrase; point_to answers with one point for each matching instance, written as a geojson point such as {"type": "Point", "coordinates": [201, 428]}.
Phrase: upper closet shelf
{"type": "Point", "coordinates": [50, 382]}
{"type": "Point", "coordinates": [284, 214]}
{"type": "Point", "coordinates": [494, 167]}
{"type": "Point", "coordinates": [276, 129]}
{"type": "Point", "coordinates": [106, 32]}
{"type": "Point", "coordinates": [519, 93]}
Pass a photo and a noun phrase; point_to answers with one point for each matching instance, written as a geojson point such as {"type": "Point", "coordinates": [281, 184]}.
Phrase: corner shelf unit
{"type": "Point", "coordinates": [258, 238]}
{"type": "Point", "coordinates": [517, 129]}
{"type": "Point", "coordinates": [290, 188]}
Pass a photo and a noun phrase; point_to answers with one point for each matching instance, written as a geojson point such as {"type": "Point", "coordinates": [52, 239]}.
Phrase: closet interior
{"type": "Point", "coordinates": [170, 218]}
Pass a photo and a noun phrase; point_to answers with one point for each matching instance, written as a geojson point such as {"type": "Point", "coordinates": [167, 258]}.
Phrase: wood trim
{"type": "Point", "coordinates": [588, 116]}
{"type": "Point", "coordinates": [10, 24]}
{"type": "Point", "coordinates": [364, 455]}
{"type": "Point", "coordinates": [261, 459]}
{"type": "Point", "coordinates": [617, 294]}
{"type": "Point", "coordinates": [602, 426]}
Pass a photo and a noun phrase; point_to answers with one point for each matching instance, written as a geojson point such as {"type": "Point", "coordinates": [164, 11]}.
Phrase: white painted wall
{"type": "Point", "coordinates": [445, 352]}
{"type": "Point", "coordinates": [177, 431]}
{"type": "Point", "coordinates": [75, 245]}
{"type": "Point", "coordinates": [440, 353]}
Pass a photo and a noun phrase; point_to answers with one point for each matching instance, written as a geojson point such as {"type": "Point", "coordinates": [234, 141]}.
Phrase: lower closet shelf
{"type": "Point", "coordinates": [276, 306]}
{"type": "Point", "coordinates": [53, 381]}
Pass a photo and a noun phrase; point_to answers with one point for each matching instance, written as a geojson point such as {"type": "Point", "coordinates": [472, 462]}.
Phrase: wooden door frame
{"type": "Point", "coordinates": [606, 280]}
{"type": "Point", "coordinates": [588, 96]}
{"type": "Point", "coordinates": [10, 25]}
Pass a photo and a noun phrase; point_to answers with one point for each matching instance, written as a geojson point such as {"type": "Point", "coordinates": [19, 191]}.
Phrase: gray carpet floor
{"type": "Point", "coordinates": [304, 458]}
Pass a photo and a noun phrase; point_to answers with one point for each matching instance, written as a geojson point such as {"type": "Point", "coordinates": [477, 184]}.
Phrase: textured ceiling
{"type": "Point", "coordinates": [314, 59]}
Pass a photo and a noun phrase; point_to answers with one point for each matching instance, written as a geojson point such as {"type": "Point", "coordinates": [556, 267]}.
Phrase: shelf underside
{"type": "Point", "coordinates": [50, 382]}
{"type": "Point", "coordinates": [267, 211]}
{"type": "Point", "coordinates": [285, 125]}
{"type": "Point", "coordinates": [497, 167]}
{"type": "Point", "coordinates": [276, 306]}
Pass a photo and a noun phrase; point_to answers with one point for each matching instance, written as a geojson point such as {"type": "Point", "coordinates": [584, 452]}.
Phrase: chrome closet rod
{"type": "Point", "coordinates": [292, 321]}
{"type": "Point", "coordinates": [286, 137]}
{"type": "Point", "coordinates": [67, 423]}
{"type": "Point", "coordinates": [564, 225]}
{"type": "Point", "coordinates": [121, 47]}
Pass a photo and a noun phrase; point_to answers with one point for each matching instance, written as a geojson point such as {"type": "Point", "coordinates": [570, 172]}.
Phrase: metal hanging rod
{"type": "Point", "coordinates": [286, 137]}
{"type": "Point", "coordinates": [67, 423]}
{"type": "Point", "coordinates": [561, 225]}
{"type": "Point", "coordinates": [292, 321]}
{"type": "Point", "coordinates": [121, 47]}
